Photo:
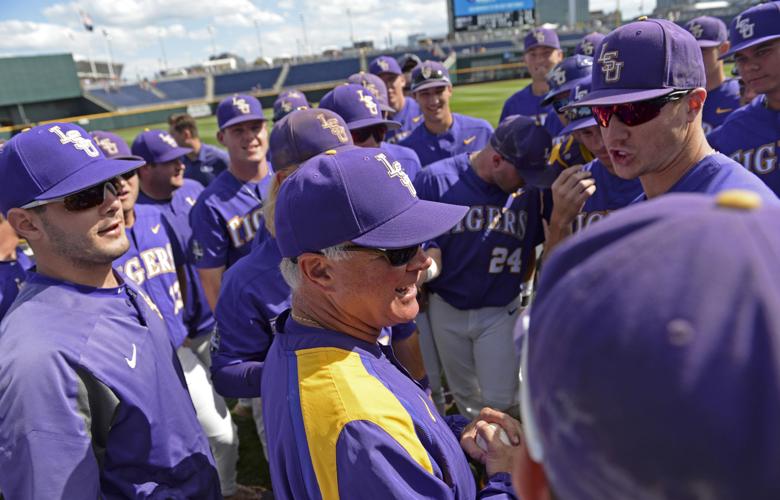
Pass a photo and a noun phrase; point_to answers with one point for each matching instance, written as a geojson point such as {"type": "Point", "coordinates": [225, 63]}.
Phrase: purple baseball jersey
{"type": "Point", "coordinates": [12, 275]}
{"type": "Point", "coordinates": [524, 102]}
{"type": "Point", "coordinates": [612, 193]}
{"type": "Point", "coordinates": [486, 256]}
{"type": "Point", "coordinates": [94, 402]}
{"type": "Point", "coordinates": [150, 263]}
{"type": "Point", "coordinates": [716, 173]}
{"type": "Point", "coordinates": [751, 137]}
{"type": "Point", "coordinates": [719, 104]}
{"type": "Point", "coordinates": [252, 295]}
{"type": "Point", "coordinates": [345, 420]}
{"type": "Point", "coordinates": [552, 123]}
{"type": "Point", "coordinates": [211, 162]}
{"type": "Point", "coordinates": [225, 219]}
{"type": "Point", "coordinates": [409, 117]}
{"type": "Point", "coordinates": [405, 156]}
{"type": "Point", "coordinates": [467, 134]}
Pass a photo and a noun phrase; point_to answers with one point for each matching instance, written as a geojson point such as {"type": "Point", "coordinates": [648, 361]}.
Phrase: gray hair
{"type": "Point", "coordinates": [292, 273]}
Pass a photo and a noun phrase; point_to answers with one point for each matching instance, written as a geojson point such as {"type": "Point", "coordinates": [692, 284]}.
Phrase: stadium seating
{"type": "Point", "coordinates": [181, 90]}
{"type": "Point", "coordinates": [323, 71]}
{"type": "Point", "coordinates": [126, 96]}
{"type": "Point", "coordinates": [245, 81]}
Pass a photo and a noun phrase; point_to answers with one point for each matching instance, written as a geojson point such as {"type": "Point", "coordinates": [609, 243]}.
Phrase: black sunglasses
{"type": "Point", "coordinates": [426, 76]}
{"type": "Point", "coordinates": [396, 256]}
{"type": "Point", "coordinates": [85, 199]}
{"type": "Point", "coordinates": [362, 134]}
{"type": "Point", "coordinates": [129, 175]}
{"type": "Point", "coordinates": [636, 113]}
{"type": "Point", "coordinates": [559, 103]}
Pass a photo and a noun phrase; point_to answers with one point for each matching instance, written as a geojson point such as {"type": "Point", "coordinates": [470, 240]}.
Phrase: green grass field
{"type": "Point", "coordinates": [481, 100]}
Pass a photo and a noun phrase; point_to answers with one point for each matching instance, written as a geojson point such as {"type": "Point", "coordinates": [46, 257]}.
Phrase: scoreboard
{"type": "Point", "coordinates": [472, 15]}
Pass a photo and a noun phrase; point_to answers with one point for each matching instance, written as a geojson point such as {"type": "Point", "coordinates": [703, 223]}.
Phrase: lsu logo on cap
{"type": "Point", "coordinates": [240, 104]}
{"type": "Point", "coordinates": [286, 106]}
{"type": "Point", "coordinates": [745, 27]}
{"type": "Point", "coordinates": [611, 66]}
{"type": "Point", "coordinates": [79, 141]}
{"type": "Point", "coordinates": [558, 75]}
{"type": "Point", "coordinates": [167, 139]}
{"type": "Point", "coordinates": [294, 94]}
{"type": "Point", "coordinates": [107, 145]}
{"type": "Point", "coordinates": [396, 170]}
{"type": "Point", "coordinates": [696, 30]}
{"type": "Point", "coordinates": [426, 72]}
{"type": "Point", "coordinates": [588, 48]}
{"type": "Point", "coordinates": [334, 127]}
{"type": "Point", "coordinates": [368, 102]}
{"type": "Point", "coordinates": [539, 35]}
{"type": "Point", "coordinates": [580, 92]}
{"type": "Point", "coordinates": [384, 65]}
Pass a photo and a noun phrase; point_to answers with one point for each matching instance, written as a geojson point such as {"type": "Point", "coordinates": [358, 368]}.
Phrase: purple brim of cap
{"type": "Point", "coordinates": [386, 107]}
{"type": "Point", "coordinates": [432, 84]}
{"type": "Point", "coordinates": [93, 173]}
{"type": "Point", "coordinates": [241, 119]}
{"type": "Point", "coordinates": [173, 154]}
{"type": "Point", "coordinates": [748, 43]}
{"type": "Point", "coordinates": [566, 87]}
{"type": "Point", "coordinates": [708, 43]}
{"type": "Point", "coordinates": [578, 125]}
{"type": "Point", "coordinates": [422, 221]}
{"type": "Point", "coordinates": [370, 122]}
{"type": "Point", "coordinates": [541, 178]}
{"type": "Point", "coordinates": [619, 96]}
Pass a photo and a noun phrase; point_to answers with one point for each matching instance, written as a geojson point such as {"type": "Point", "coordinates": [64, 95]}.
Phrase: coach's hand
{"type": "Point", "coordinates": [570, 191]}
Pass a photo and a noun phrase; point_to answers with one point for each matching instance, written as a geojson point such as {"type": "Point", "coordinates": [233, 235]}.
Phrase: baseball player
{"type": "Point", "coordinates": [750, 135]}
{"type": "Point", "coordinates": [647, 98]}
{"type": "Point", "coordinates": [343, 420]}
{"type": "Point", "coordinates": [288, 101]}
{"type": "Point", "coordinates": [654, 359]}
{"type": "Point", "coordinates": [204, 162]}
{"type": "Point", "coordinates": [229, 212]}
{"type": "Point", "coordinates": [542, 53]}
{"type": "Point", "coordinates": [584, 194]}
{"type": "Point", "coordinates": [482, 260]}
{"type": "Point", "coordinates": [443, 133]}
{"type": "Point", "coordinates": [587, 46]}
{"type": "Point", "coordinates": [94, 402]}
{"type": "Point", "coordinates": [14, 264]}
{"type": "Point", "coordinates": [722, 94]}
{"type": "Point", "coordinates": [365, 123]}
{"type": "Point", "coordinates": [405, 110]}
{"type": "Point", "coordinates": [376, 86]}
{"type": "Point", "coordinates": [560, 80]}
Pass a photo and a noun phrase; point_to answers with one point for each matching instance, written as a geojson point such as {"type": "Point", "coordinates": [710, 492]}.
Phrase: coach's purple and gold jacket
{"type": "Point", "coordinates": [93, 401]}
{"type": "Point", "coordinates": [344, 420]}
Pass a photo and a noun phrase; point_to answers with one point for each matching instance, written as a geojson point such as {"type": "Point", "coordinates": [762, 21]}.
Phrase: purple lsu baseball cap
{"type": "Point", "coordinates": [755, 25]}
{"type": "Point", "coordinates": [525, 143]}
{"type": "Point", "coordinates": [541, 37]}
{"type": "Point", "coordinates": [288, 101]}
{"type": "Point", "coordinates": [305, 133]}
{"type": "Point", "coordinates": [583, 115]}
{"type": "Point", "coordinates": [113, 146]}
{"type": "Point", "coordinates": [360, 195]}
{"type": "Point", "coordinates": [356, 105]}
{"type": "Point", "coordinates": [666, 381]}
{"type": "Point", "coordinates": [375, 85]}
{"type": "Point", "coordinates": [384, 64]}
{"type": "Point", "coordinates": [157, 146]}
{"type": "Point", "coordinates": [707, 30]}
{"type": "Point", "coordinates": [566, 74]}
{"type": "Point", "coordinates": [587, 46]}
{"type": "Point", "coordinates": [643, 60]}
{"type": "Point", "coordinates": [430, 74]}
{"type": "Point", "coordinates": [238, 109]}
{"type": "Point", "coordinates": [51, 161]}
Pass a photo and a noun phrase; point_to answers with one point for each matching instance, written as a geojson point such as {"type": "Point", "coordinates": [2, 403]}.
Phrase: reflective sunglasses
{"type": "Point", "coordinates": [635, 113]}
{"type": "Point", "coordinates": [420, 77]}
{"type": "Point", "coordinates": [362, 134]}
{"type": "Point", "coordinates": [578, 113]}
{"type": "Point", "coordinates": [559, 103]}
{"type": "Point", "coordinates": [85, 199]}
{"type": "Point", "coordinates": [396, 256]}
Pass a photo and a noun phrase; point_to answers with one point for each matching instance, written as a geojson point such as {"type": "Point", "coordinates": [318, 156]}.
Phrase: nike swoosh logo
{"type": "Point", "coordinates": [190, 201]}
{"type": "Point", "coordinates": [511, 311]}
{"type": "Point", "coordinates": [131, 361]}
{"type": "Point", "coordinates": [156, 229]}
{"type": "Point", "coordinates": [469, 140]}
{"type": "Point", "coordinates": [417, 119]}
{"type": "Point", "coordinates": [720, 111]}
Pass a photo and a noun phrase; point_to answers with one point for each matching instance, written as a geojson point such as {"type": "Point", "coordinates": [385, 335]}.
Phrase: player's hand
{"type": "Point", "coordinates": [468, 440]}
{"type": "Point", "coordinates": [570, 191]}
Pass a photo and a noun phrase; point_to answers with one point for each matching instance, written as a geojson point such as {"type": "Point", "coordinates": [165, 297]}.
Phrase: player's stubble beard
{"type": "Point", "coordinates": [83, 251]}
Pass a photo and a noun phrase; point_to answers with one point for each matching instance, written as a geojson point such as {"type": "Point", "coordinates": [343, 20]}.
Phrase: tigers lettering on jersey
{"type": "Point", "coordinates": [760, 160]}
{"type": "Point", "coordinates": [493, 218]}
{"type": "Point", "coordinates": [585, 219]}
{"type": "Point", "coordinates": [242, 230]}
{"type": "Point", "coordinates": [150, 263]}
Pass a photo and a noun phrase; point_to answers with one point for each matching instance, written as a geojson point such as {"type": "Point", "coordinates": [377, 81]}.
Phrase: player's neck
{"type": "Point", "coordinates": [663, 179]}
{"type": "Point", "coordinates": [163, 193]}
{"type": "Point", "coordinates": [129, 217]}
{"type": "Point", "coordinates": [715, 78]}
{"type": "Point", "coordinates": [73, 271]}
{"type": "Point", "coordinates": [195, 145]}
{"type": "Point", "coordinates": [401, 103]}
{"type": "Point", "coordinates": [539, 87]}
{"type": "Point", "coordinates": [319, 312]}
{"type": "Point", "coordinates": [249, 171]}
{"type": "Point", "coordinates": [479, 162]}
{"type": "Point", "coordinates": [437, 127]}
{"type": "Point", "coordinates": [773, 99]}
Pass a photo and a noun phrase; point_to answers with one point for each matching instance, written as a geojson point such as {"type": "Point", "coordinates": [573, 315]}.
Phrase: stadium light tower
{"type": "Point", "coordinates": [259, 40]}
{"type": "Point", "coordinates": [110, 55]}
{"type": "Point", "coordinates": [213, 43]}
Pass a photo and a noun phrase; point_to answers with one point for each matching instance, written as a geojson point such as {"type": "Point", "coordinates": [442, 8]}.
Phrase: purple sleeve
{"type": "Point", "coordinates": [403, 331]}
{"type": "Point", "coordinates": [209, 243]}
{"type": "Point", "coordinates": [498, 486]}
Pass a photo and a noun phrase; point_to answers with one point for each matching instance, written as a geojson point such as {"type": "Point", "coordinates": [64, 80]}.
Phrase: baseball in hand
{"type": "Point", "coordinates": [502, 435]}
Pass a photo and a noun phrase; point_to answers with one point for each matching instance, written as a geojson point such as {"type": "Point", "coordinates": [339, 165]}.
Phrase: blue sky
{"type": "Point", "coordinates": [142, 32]}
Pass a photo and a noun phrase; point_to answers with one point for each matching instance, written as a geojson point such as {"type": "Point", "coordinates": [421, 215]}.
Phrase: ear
{"type": "Point", "coordinates": [187, 133]}
{"type": "Point", "coordinates": [317, 270]}
{"type": "Point", "coordinates": [724, 47]}
{"type": "Point", "coordinates": [26, 223]}
{"type": "Point", "coordinates": [220, 137]}
{"type": "Point", "coordinates": [696, 102]}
